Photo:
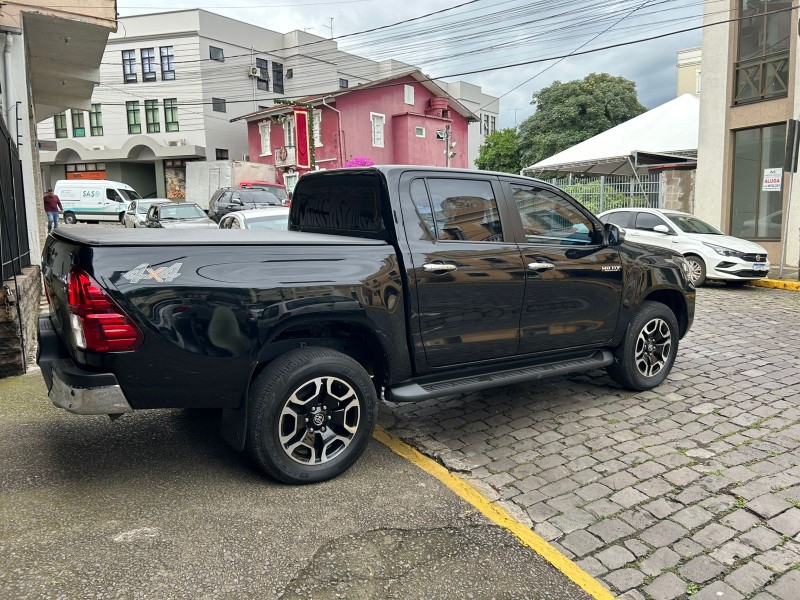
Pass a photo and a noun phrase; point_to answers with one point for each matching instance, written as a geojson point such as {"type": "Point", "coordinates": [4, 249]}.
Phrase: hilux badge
{"type": "Point", "coordinates": [611, 267]}
{"type": "Point", "coordinates": [161, 274]}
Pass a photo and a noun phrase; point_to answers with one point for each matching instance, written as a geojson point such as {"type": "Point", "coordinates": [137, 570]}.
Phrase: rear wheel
{"type": "Point", "coordinates": [647, 352]}
{"type": "Point", "coordinates": [70, 218]}
{"type": "Point", "coordinates": [311, 413]}
{"type": "Point", "coordinates": [697, 270]}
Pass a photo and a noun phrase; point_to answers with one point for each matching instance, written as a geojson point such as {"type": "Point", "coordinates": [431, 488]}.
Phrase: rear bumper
{"type": "Point", "coordinates": [71, 387]}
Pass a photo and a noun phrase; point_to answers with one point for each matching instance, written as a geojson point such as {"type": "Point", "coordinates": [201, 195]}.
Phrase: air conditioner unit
{"type": "Point", "coordinates": [98, 147]}
{"type": "Point", "coordinates": [176, 142]}
{"type": "Point", "coordinates": [254, 71]}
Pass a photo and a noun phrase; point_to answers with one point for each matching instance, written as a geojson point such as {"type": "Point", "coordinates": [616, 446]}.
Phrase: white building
{"type": "Point", "coordinates": [170, 83]}
{"type": "Point", "coordinates": [486, 107]}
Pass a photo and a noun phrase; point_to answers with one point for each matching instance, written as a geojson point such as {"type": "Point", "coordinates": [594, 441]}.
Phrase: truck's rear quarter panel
{"type": "Point", "coordinates": [206, 328]}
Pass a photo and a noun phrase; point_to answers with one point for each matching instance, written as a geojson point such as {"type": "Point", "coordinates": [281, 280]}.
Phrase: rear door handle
{"type": "Point", "coordinates": [541, 266]}
{"type": "Point", "coordinates": [438, 267]}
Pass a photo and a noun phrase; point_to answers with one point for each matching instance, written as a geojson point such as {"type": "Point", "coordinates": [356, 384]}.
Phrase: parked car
{"type": "Point", "coordinates": [274, 217]}
{"type": "Point", "coordinates": [94, 199]}
{"type": "Point", "coordinates": [412, 282]}
{"type": "Point", "coordinates": [184, 215]}
{"type": "Point", "coordinates": [274, 188]}
{"type": "Point", "coordinates": [710, 253]}
{"type": "Point", "coordinates": [136, 215]}
{"type": "Point", "coordinates": [227, 200]}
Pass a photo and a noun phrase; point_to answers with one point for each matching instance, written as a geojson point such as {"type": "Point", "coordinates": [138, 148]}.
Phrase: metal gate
{"type": "Point", "coordinates": [15, 252]}
{"type": "Point", "coordinates": [604, 192]}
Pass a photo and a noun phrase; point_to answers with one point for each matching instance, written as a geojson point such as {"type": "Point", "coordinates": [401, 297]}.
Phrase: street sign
{"type": "Point", "coordinates": [772, 180]}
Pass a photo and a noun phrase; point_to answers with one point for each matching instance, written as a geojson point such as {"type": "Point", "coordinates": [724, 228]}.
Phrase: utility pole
{"type": "Point", "coordinates": [448, 148]}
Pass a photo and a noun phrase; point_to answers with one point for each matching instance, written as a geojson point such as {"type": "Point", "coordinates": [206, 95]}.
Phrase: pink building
{"type": "Point", "coordinates": [405, 119]}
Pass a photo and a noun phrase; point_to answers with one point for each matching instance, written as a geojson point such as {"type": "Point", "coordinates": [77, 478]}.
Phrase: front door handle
{"type": "Point", "coordinates": [541, 266]}
{"type": "Point", "coordinates": [438, 267]}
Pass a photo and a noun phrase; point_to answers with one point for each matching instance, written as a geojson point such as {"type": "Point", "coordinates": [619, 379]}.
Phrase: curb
{"type": "Point", "coordinates": [780, 284]}
{"type": "Point", "coordinates": [496, 514]}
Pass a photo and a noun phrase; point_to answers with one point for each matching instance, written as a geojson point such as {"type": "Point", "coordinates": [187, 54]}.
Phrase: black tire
{"type": "Point", "coordinates": [70, 218]}
{"type": "Point", "coordinates": [697, 267]}
{"type": "Point", "coordinates": [634, 358]}
{"type": "Point", "coordinates": [735, 283]}
{"type": "Point", "coordinates": [122, 217]}
{"type": "Point", "coordinates": [271, 422]}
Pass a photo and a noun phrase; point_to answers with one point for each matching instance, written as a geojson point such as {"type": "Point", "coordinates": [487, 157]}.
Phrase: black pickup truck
{"type": "Point", "coordinates": [408, 281]}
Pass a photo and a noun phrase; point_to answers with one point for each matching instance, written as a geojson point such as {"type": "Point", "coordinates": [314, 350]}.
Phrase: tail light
{"type": "Point", "coordinates": [97, 322]}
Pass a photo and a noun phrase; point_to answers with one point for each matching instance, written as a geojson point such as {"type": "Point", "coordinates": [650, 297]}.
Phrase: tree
{"type": "Point", "coordinates": [499, 152]}
{"type": "Point", "coordinates": [569, 113]}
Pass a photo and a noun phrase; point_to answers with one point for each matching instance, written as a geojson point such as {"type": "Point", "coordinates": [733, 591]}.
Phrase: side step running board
{"type": "Point", "coordinates": [414, 392]}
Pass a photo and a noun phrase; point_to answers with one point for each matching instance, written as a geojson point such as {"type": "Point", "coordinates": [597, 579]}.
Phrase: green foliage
{"type": "Point", "coordinates": [569, 113]}
{"type": "Point", "coordinates": [499, 152]}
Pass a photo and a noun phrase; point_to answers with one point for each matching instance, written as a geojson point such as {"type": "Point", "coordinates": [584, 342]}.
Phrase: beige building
{"type": "Point", "coordinates": [750, 90]}
{"type": "Point", "coordinates": [51, 60]}
{"type": "Point", "coordinates": [689, 71]}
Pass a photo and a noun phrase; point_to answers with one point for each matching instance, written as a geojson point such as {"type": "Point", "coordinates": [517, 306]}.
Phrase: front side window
{"type": "Point", "coordinates": [762, 71]}
{"type": "Point", "coordinates": [129, 66]}
{"type": "Point", "coordinates": [60, 125]}
{"type": "Point", "coordinates": [78, 126]}
{"type": "Point", "coordinates": [151, 116]}
{"type": "Point", "coordinates": [757, 213]}
{"type": "Point", "coordinates": [219, 105]}
{"type": "Point", "coordinates": [167, 63]}
{"type": "Point", "coordinates": [171, 114]}
{"type": "Point", "coordinates": [264, 131]}
{"type": "Point", "coordinates": [378, 122]}
{"type": "Point", "coordinates": [464, 210]}
{"type": "Point", "coordinates": [134, 116]}
{"type": "Point", "coordinates": [548, 219]}
{"type": "Point", "coordinates": [277, 77]}
{"type": "Point", "coordinates": [262, 81]}
{"type": "Point", "coordinates": [215, 53]}
{"type": "Point", "coordinates": [148, 64]}
{"type": "Point", "coordinates": [96, 119]}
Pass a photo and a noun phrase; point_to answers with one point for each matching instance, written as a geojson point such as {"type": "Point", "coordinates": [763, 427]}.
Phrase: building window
{"type": "Point", "coordinates": [264, 132]}
{"type": "Point", "coordinates": [420, 131]}
{"type": "Point", "coordinates": [492, 124]}
{"type": "Point", "coordinates": [151, 116]}
{"type": "Point", "coordinates": [96, 120]}
{"type": "Point", "coordinates": [343, 84]}
{"type": "Point", "coordinates": [277, 77]}
{"type": "Point", "coordinates": [134, 117]}
{"type": "Point", "coordinates": [60, 125]}
{"type": "Point", "coordinates": [762, 72]}
{"type": "Point", "coordinates": [318, 128]}
{"type": "Point", "coordinates": [288, 132]}
{"type": "Point", "coordinates": [289, 73]}
{"type": "Point", "coordinates": [757, 214]}
{"type": "Point", "coordinates": [378, 121]}
{"type": "Point", "coordinates": [262, 80]}
{"type": "Point", "coordinates": [221, 153]}
{"type": "Point", "coordinates": [485, 124]}
{"type": "Point", "coordinates": [129, 66]}
{"type": "Point", "coordinates": [78, 126]}
{"type": "Point", "coordinates": [215, 53]}
{"type": "Point", "coordinates": [408, 94]}
{"type": "Point", "coordinates": [171, 114]}
{"type": "Point", "coordinates": [167, 63]}
{"type": "Point", "coordinates": [148, 64]}
{"type": "Point", "coordinates": [218, 105]}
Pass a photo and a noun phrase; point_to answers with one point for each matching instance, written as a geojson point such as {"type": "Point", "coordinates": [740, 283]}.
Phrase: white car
{"type": "Point", "coordinates": [273, 217]}
{"type": "Point", "coordinates": [136, 213]}
{"type": "Point", "coordinates": [710, 253]}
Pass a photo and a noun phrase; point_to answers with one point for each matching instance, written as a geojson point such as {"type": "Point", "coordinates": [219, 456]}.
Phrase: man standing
{"type": "Point", "coordinates": [52, 204]}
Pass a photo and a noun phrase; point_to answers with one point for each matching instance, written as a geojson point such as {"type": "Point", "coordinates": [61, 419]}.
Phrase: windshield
{"type": "Point", "coordinates": [186, 211]}
{"type": "Point", "coordinates": [145, 205]}
{"type": "Point", "coordinates": [259, 197]}
{"type": "Point", "coordinates": [274, 222]}
{"type": "Point", "coordinates": [129, 195]}
{"type": "Point", "coordinates": [689, 224]}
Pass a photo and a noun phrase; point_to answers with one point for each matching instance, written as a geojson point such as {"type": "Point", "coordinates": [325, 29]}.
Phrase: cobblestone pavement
{"type": "Point", "coordinates": [692, 489]}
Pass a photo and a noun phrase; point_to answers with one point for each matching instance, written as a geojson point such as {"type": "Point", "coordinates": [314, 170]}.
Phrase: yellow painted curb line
{"type": "Point", "coordinates": [497, 515]}
{"type": "Point", "coordinates": [780, 284]}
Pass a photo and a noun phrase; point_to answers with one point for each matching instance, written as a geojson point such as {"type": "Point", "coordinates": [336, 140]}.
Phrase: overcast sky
{"type": "Point", "coordinates": [490, 33]}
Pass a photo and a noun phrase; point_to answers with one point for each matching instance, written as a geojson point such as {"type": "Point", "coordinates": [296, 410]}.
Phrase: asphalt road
{"type": "Point", "coordinates": [155, 505]}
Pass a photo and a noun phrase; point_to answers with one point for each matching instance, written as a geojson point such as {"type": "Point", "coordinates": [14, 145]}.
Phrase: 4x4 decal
{"type": "Point", "coordinates": [161, 274]}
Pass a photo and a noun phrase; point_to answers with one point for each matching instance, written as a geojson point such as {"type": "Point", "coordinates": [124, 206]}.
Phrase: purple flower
{"type": "Point", "coordinates": [359, 161]}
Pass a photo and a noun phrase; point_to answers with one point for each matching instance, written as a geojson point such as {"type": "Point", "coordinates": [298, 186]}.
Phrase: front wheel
{"type": "Point", "coordinates": [70, 218]}
{"type": "Point", "coordinates": [647, 352]}
{"type": "Point", "coordinates": [697, 270]}
{"type": "Point", "coordinates": [311, 413]}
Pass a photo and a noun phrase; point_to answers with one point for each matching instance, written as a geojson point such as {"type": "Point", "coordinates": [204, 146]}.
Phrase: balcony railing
{"type": "Point", "coordinates": [762, 78]}
{"type": "Point", "coordinates": [285, 156]}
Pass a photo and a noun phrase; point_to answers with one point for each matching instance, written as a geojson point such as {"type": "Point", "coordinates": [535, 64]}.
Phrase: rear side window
{"type": "Point", "coordinates": [338, 204]}
{"type": "Point", "coordinates": [464, 209]}
{"type": "Point", "coordinates": [648, 221]}
{"type": "Point", "coordinates": [620, 219]}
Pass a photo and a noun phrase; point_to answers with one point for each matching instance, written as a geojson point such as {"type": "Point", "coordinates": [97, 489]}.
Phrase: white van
{"type": "Point", "coordinates": [94, 200]}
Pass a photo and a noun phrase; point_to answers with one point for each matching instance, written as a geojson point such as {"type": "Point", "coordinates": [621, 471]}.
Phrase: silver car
{"type": "Point", "coordinates": [136, 214]}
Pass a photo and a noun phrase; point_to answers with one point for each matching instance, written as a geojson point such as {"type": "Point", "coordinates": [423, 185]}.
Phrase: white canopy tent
{"type": "Point", "coordinates": [664, 136]}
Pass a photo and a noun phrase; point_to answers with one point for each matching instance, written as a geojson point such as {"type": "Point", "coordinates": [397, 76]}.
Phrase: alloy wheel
{"type": "Point", "coordinates": [695, 271]}
{"type": "Point", "coordinates": [653, 347]}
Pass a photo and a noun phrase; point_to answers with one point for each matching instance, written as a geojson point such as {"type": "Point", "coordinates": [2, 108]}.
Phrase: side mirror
{"type": "Point", "coordinates": [237, 201]}
{"type": "Point", "coordinates": [661, 229]}
{"type": "Point", "coordinates": [613, 234]}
